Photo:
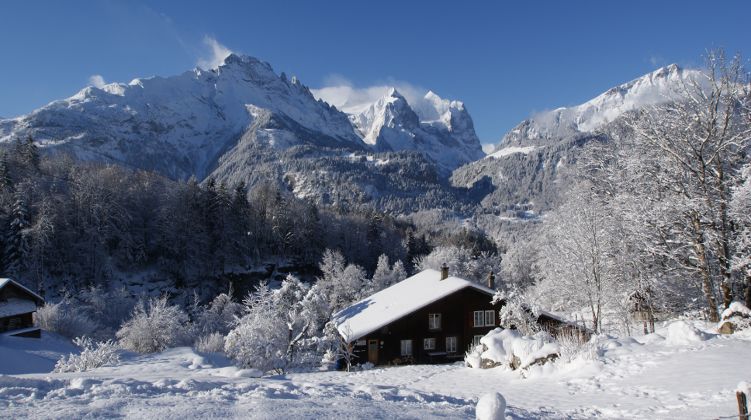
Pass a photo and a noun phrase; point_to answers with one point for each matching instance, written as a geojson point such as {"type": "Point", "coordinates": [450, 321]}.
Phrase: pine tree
{"type": "Point", "coordinates": [6, 183]}
{"type": "Point", "coordinates": [16, 243]}
{"type": "Point", "coordinates": [28, 152]}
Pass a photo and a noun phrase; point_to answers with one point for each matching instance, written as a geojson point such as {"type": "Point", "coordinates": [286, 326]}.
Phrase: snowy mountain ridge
{"type": "Point", "coordinates": [187, 124]}
{"type": "Point", "coordinates": [533, 162]}
{"type": "Point", "coordinates": [653, 88]}
{"type": "Point", "coordinates": [190, 118]}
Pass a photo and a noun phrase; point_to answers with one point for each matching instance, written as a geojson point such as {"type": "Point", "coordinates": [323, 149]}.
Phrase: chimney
{"type": "Point", "coordinates": [444, 271]}
{"type": "Point", "coordinates": [491, 280]}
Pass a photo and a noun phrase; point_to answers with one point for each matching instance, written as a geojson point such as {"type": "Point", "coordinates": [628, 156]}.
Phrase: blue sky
{"type": "Point", "coordinates": [504, 59]}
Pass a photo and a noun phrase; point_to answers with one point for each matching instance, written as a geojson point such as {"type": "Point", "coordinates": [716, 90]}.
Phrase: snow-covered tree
{"type": "Point", "coordinates": [216, 317]}
{"type": "Point", "coordinates": [385, 275]}
{"type": "Point", "coordinates": [17, 239]}
{"type": "Point", "coordinates": [154, 326]}
{"type": "Point", "coordinates": [279, 328]}
{"type": "Point", "coordinates": [516, 312]}
{"type": "Point", "coordinates": [109, 308]}
{"type": "Point", "coordinates": [340, 345]}
{"type": "Point", "coordinates": [259, 339]}
{"type": "Point", "coordinates": [517, 265]}
{"type": "Point", "coordinates": [575, 247]}
{"type": "Point", "coordinates": [341, 283]}
{"type": "Point", "coordinates": [462, 262]}
{"type": "Point", "coordinates": [740, 211]}
{"type": "Point", "coordinates": [701, 136]}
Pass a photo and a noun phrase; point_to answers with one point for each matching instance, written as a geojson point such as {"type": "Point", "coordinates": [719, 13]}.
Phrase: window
{"type": "Point", "coordinates": [484, 318]}
{"type": "Point", "coordinates": [490, 318]}
{"type": "Point", "coordinates": [476, 340]}
{"type": "Point", "coordinates": [406, 347]}
{"type": "Point", "coordinates": [429, 343]}
{"type": "Point", "coordinates": [450, 344]}
{"type": "Point", "coordinates": [434, 321]}
{"type": "Point", "coordinates": [479, 318]}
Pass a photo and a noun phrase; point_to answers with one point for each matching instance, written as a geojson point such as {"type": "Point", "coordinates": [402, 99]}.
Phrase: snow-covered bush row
{"type": "Point", "coordinates": [66, 319]}
{"type": "Point", "coordinates": [154, 326]}
{"type": "Point", "coordinates": [506, 347]}
{"type": "Point", "coordinates": [93, 312]}
{"type": "Point", "coordinates": [93, 355]}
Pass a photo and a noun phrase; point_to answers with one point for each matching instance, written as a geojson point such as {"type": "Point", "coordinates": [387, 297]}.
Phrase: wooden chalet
{"type": "Point", "coordinates": [427, 318]}
{"type": "Point", "coordinates": [17, 307]}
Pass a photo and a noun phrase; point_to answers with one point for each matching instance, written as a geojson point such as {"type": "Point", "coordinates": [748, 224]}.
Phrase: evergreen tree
{"type": "Point", "coordinates": [6, 183]}
{"type": "Point", "coordinates": [28, 152]}
{"type": "Point", "coordinates": [16, 243]}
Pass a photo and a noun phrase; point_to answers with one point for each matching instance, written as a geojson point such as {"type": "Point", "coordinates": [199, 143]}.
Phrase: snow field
{"type": "Point", "coordinates": [642, 377]}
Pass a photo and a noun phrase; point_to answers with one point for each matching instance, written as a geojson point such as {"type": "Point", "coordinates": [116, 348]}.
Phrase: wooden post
{"type": "Point", "coordinates": [742, 405]}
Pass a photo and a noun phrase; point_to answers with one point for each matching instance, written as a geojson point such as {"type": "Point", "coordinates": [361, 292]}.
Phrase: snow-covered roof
{"type": "Point", "coordinates": [401, 299]}
{"type": "Point", "coordinates": [6, 281]}
{"type": "Point", "coordinates": [15, 306]}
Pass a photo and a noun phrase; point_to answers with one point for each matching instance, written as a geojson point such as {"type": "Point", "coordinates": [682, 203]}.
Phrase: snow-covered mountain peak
{"type": "Point", "coordinates": [652, 88]}
{"type": "Point", "coordinates": [247, 63]}
{"type": "Point", "coordinates": [394, 94]}
{"type": "Point", "coordinates": [181, 124]}
{"type": "Point", "coordinates": [390, 111]}
{"type": "Point", "coordinates": [440, 128]}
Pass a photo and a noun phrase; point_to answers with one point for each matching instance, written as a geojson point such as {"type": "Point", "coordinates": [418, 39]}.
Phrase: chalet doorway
{"type": "Point", "coordinates": [373, 351]}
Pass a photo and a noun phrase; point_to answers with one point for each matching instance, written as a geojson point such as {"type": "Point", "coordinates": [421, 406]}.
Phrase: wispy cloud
{"type": "Point", "coordinates": [216, 53]}
{"type": "Point", "coordinates": [343, 94]}
{"type": "Point", "coordinates": [97, 81]}
{"type": "Point", "coordinates": [656, 60]}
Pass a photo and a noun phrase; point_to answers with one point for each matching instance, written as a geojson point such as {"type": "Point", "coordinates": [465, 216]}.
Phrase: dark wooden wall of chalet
{"type": "Point", "coordinates": [11, 291]}
{"type": "Point", "coordinates": [16, 322]}
{"type": "Point", "coordinates": [456, 320]}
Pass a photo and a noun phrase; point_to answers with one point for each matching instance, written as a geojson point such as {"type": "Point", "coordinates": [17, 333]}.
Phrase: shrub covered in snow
{"type": "Point", "coordinates": [574, 345]}
{"type": "Point", "coordinates": [154, 326]}
{"type": "Point", "coordinates": [682, 333]}
{"type": "Point", "coordinates": [216, 317]}
{"type": "Point", "coordinates": [491, 406]}
{"type": "Point", "coordinates": [93, 312]}
{"type": "Point", "coordinates": [65, 318]}
{"type": "Point", "coordinates": [735, 318]}
{"type": "Point", "coordinates": [258, 340]}
{"type": "Point", "coordinates": [93, 355]}
{"type": "Point", "coordinates": [505, 347]}
{"type": "Point", "coordinates": [516, 312]}
{"type": "Point", "coordinates": [210, 343]}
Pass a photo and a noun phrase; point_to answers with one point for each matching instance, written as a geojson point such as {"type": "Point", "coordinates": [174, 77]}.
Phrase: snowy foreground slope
{"type": "Point", "coordinates": [683, 376]}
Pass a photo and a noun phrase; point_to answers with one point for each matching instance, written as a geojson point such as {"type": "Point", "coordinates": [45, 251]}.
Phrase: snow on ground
{"type": "Point", "coordinates": [32, 355]}
{"type": "Point", "coordinates": [511, 150]}
{"type": "Point", "coordinates": [635, 378]}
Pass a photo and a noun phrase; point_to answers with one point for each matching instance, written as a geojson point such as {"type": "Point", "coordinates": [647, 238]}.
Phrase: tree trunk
{"type": "Point", "coordinates": [748, 290]}
{"type": "Point", "coordinates": [706, 279]}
